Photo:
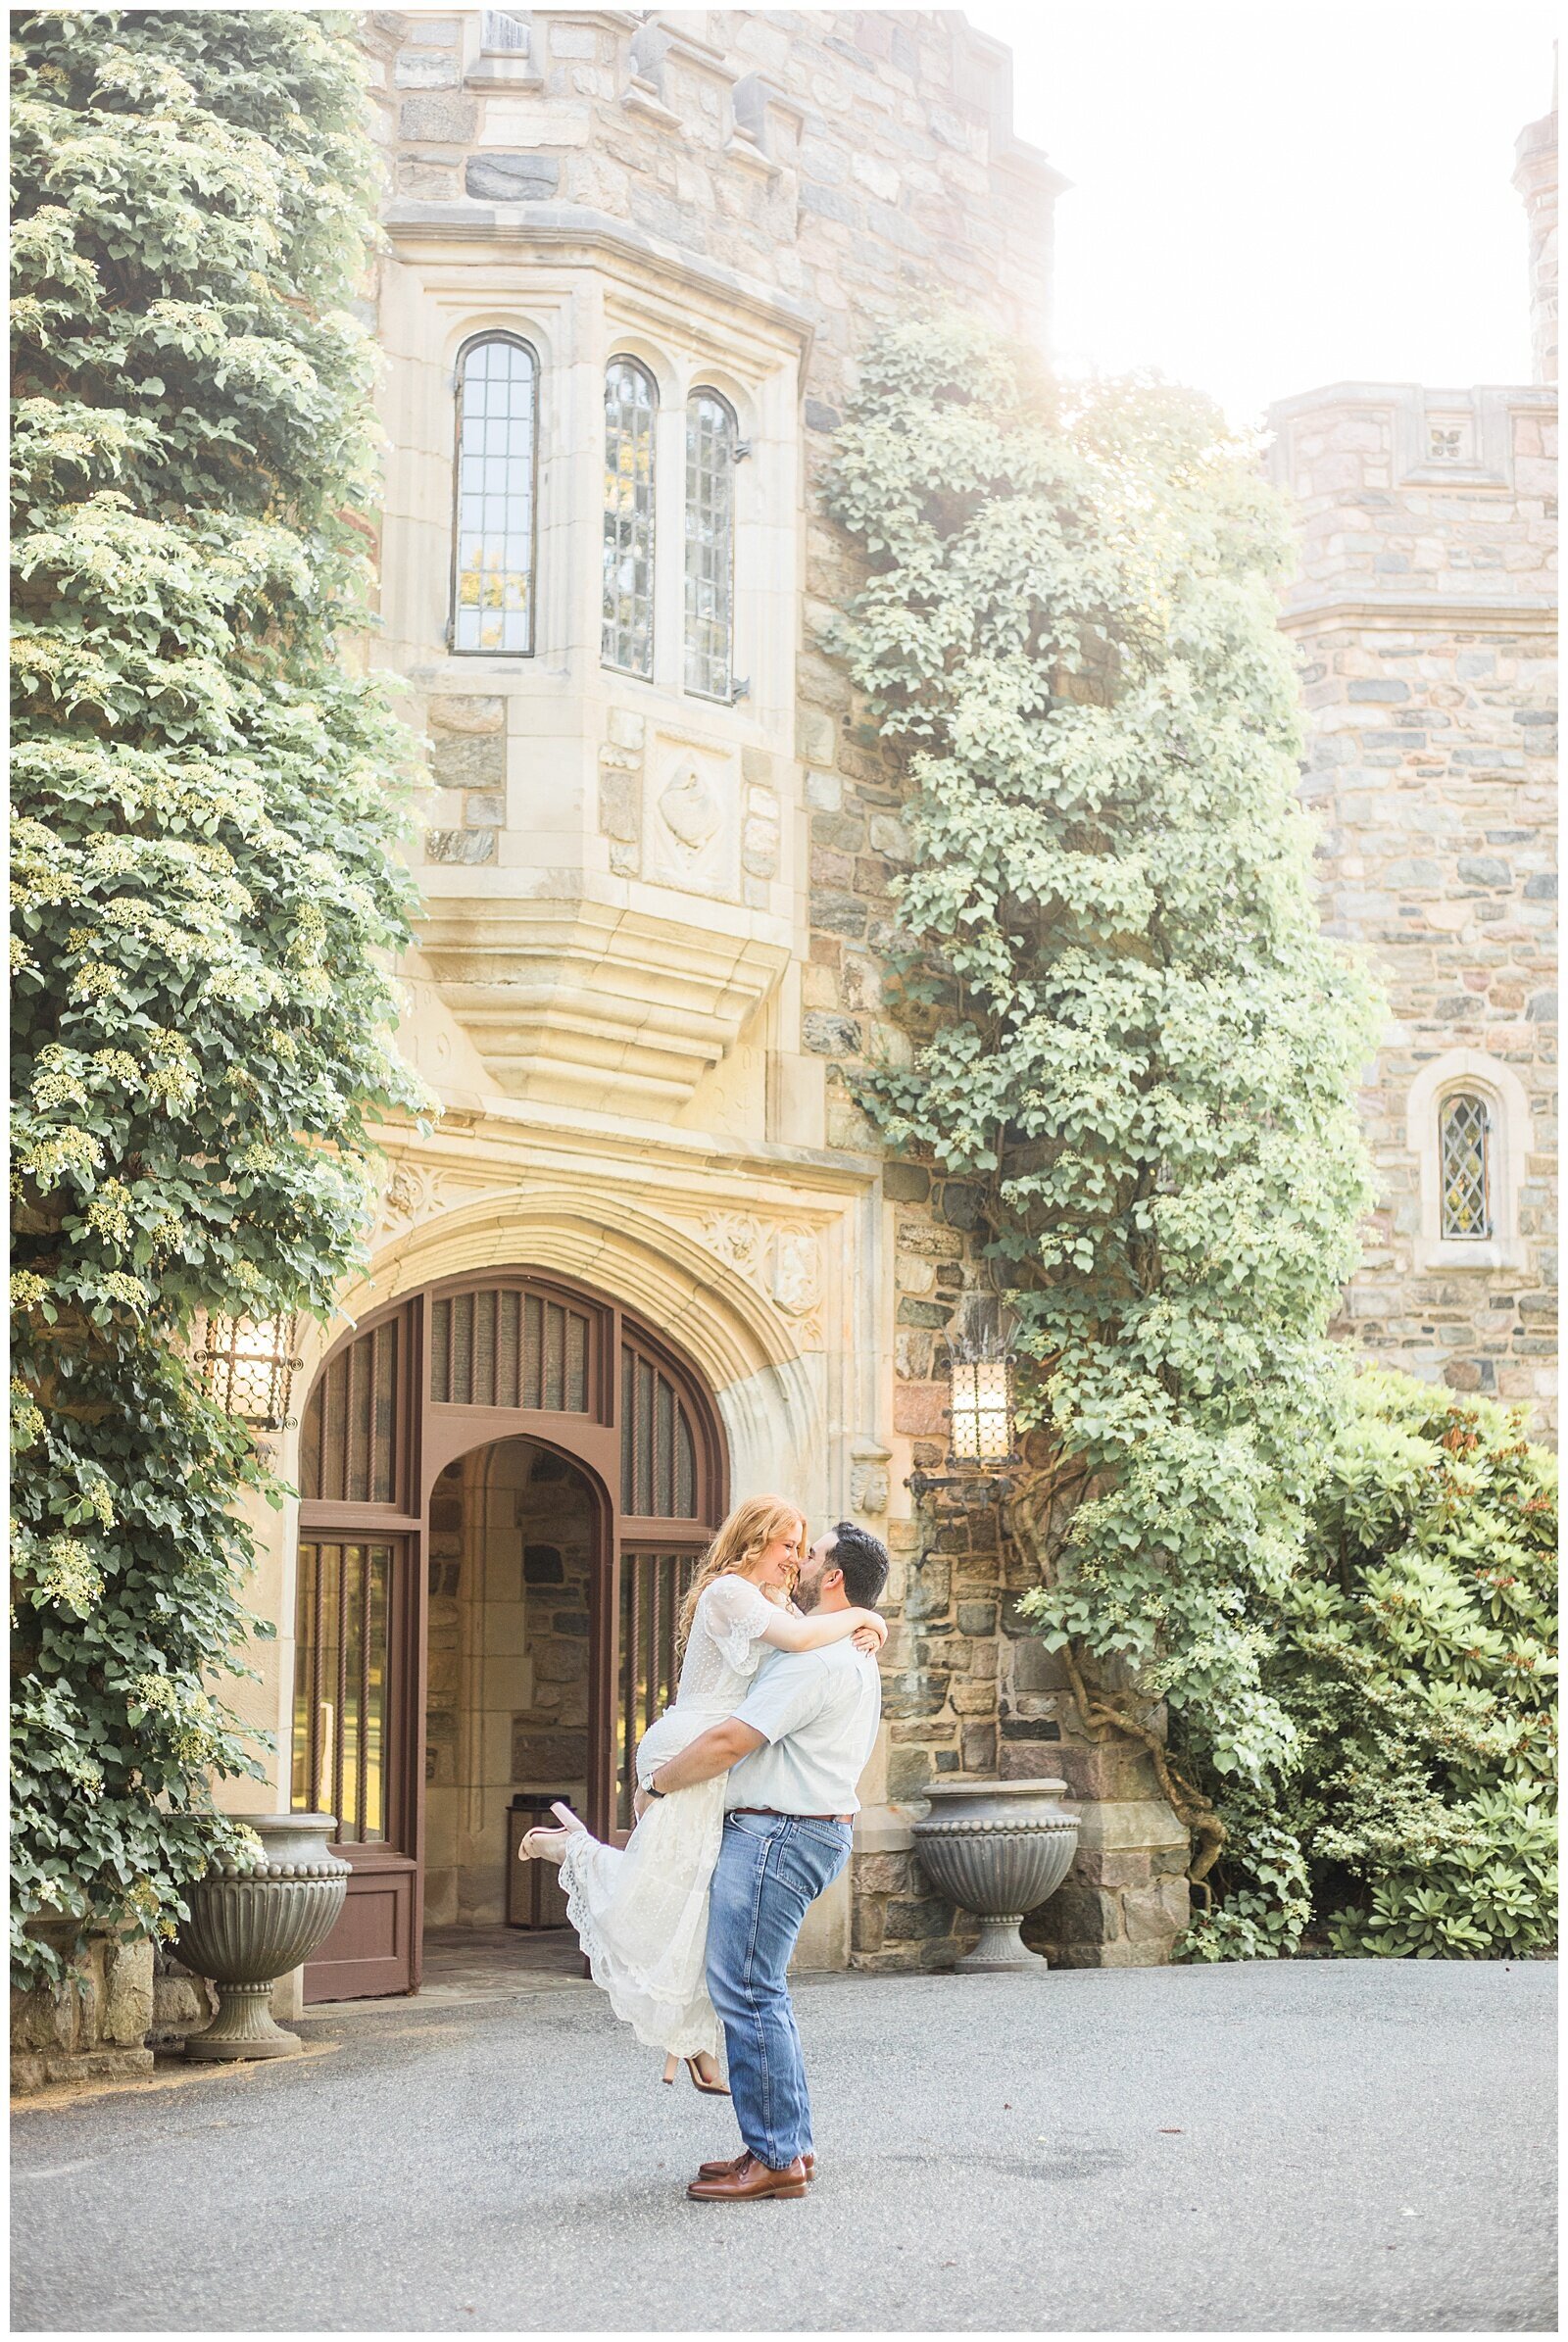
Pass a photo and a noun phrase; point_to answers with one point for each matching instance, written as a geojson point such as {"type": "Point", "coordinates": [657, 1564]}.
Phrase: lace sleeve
{"type": "Point", "coordinates": [735, 1616]}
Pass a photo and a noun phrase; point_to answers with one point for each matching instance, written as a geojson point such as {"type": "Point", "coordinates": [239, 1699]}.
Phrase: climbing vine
{"type": "Point", "coordinates": [1122, 1014]}
{"type": "Point", "coordinates": [204, 814]}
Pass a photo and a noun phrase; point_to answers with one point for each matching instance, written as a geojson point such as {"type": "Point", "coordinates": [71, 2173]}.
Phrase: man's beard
{"type": "Point", "coordinates": [806, 1590]}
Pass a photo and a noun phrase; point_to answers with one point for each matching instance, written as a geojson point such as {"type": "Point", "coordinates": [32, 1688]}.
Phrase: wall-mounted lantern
{"type": "Point", "coordinates": [980, 1439]}
{"type": "Point", "coordinates": [248, 1365]}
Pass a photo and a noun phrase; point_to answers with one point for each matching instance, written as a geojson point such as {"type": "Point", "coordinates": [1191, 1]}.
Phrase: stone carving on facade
{"type": "Point", "coordinates": [692, 836]}
{"type": "Point", "coordinates": [781, 1260]}
{"type": "Point", "coordinates": [737, 1240]}
{"type": "Point", "coordinates": [869, 1489]}
{"type": "Point", "coordinates": [620, 791]}
{"type": "Point", "coordinates": [795, 1275]}
{"type": "Point", "coordinates": [416, 1192]}
{"type": "Point", "coordinates": [688, 810]}
{"type": "Point", "coordinates": [405, 1199]}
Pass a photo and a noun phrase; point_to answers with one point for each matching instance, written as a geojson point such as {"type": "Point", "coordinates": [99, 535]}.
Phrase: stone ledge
{"type": "Point", "coordinates": [882, 1830]}
{"type": "Point", "coordinates": [1127, 1824]}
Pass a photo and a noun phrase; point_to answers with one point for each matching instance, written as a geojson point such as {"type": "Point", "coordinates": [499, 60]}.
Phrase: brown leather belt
{"type": "Point", "coordinates": [774, 1815]}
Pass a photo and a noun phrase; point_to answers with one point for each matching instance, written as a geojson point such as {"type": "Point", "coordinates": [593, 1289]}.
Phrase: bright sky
{"type": "Point", "coordinates": [1269, 195]}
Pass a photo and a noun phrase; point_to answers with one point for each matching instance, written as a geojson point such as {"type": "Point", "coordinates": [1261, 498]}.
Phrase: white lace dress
{"type": "Point", "coordinates": [641, 1910]}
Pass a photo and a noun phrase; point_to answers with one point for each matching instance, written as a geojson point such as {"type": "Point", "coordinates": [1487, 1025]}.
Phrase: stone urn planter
{"type": "Point", "coordinates": [249, 1927]}
{"type": "Point", "coordinates": [996, 1848]}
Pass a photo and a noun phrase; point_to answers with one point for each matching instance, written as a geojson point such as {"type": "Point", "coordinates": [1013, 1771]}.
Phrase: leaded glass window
{"type": "Point", "coordinates": [1466, 1166]}
{"type": "Point", "coordinates": [497, 442]}
{"type": "Point", "coordinates": [709, 545]}
{"type": "Point", "coordinates": [630, 408]}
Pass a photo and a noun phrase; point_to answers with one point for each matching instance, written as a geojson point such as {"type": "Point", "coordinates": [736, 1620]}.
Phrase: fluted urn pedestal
{"type": "Point", "coordinates": [998, 1848]}
{"type": "Point", "coordinates": [249, 1927]}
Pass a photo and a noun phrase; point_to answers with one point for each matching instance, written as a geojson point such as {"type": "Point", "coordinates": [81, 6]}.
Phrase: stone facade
{"type": "Point", "coordinates": [1535, 175]}
{"type": "Point", "coordinates": [790, 179]}
{"type": "Point", "coordinates": [507, 1676]}
{"type": "Point", "coordinates": [655, 919]}
{"type": "Point", "coordinates": [93, 2027]}
{"type": "Point", "coordinates": [1424, 610]}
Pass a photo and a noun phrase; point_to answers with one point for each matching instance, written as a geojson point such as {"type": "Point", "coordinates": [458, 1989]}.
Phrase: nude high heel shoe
{"type": "Point", "coordinates": [710, 2089]}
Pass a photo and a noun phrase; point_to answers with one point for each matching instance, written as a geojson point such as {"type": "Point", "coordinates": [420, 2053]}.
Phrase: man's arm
{"type": "Point", "coordinates": [711, 1752]}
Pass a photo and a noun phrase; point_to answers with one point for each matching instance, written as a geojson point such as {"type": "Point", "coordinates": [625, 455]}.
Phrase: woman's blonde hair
{"type": "Point", "coordinates": [743, 1537]}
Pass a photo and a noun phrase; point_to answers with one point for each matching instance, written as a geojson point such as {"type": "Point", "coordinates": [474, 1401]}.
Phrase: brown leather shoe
{"type": "Point", "coordinates": [717, 2171]}
{"type": "Point", "coordinates": [749, 2183]}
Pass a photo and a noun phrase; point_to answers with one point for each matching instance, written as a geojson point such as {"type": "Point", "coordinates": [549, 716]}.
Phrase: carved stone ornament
{"type": "Point", "coordinates": [782, 1261]}
{"type": "Point", "coordinates": [406, 1197]}
{"type": "Point", "coordinates": [796, 1278]}
{"type": "Point", "coordinates": [869, 1489]}
{"type": "Point", "coordinates": [688, 810]}
{"type": "Point", "coordinates": [735, 1237]}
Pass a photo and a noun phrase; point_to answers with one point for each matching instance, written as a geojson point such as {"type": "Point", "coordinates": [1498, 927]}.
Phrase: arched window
{"type": "Point", "coordinates": [1467, 1171]}
{"type": "Point", "coordinates": [1468, 1123]}
{"type": "Point", "coordinates": [497, 459]}
{"type": "Point", "coordinates": [709, 545]}
{"type": "Point", "coordinates": [630, 406]}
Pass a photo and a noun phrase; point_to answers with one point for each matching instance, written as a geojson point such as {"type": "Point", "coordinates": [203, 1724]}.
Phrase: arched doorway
{"type": "Point", "coordinates": [513, 1365]}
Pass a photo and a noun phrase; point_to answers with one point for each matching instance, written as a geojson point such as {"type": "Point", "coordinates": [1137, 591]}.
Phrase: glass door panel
{"type": "Point", "coordinates": [653, 1587]}
{"type": "Point", "coordinates": [342, 1687]}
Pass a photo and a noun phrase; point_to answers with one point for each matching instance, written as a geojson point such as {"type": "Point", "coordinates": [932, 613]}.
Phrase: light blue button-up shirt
{"type": "Point", "coordinates": [818, 1711]}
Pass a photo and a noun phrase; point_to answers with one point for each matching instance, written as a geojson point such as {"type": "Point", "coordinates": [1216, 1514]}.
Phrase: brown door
{"type": "Point", "coordinates": [350, 1730]}
{"type": "Point", "coordinates": [474, 1360]}
{"type": "Point", "coordinates": [359, 1651]}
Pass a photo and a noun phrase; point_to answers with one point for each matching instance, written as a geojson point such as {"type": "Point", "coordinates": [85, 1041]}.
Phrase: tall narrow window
{"type": "Point", "coordinates": [709, 545]}
{"type": "Point", "coordinates": [630, 406]}
{"type": "Point", "coordinates": [497, 451]}
{"type": "Point", "coordinates": [1466, 1166]}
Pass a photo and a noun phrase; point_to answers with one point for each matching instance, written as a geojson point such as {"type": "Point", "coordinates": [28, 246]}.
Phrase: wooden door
{"type": "Point", "coordinates": [357, 1653]}
{"type": "Point", "coordinates": [503, 1356]}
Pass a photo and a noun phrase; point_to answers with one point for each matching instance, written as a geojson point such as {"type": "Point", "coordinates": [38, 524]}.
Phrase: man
{"type": "Point", "coordinates": [794, 1751]}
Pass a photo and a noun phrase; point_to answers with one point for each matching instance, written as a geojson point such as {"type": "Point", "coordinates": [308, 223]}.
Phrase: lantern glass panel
{"type": "Point", "coordinates": [248, 1368]}
{"type": "Point", "coordinates": [982, 1411]}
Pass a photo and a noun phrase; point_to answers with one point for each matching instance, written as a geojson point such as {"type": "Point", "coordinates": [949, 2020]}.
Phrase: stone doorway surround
{"type": "Point", "coordinates": [763, 1273]}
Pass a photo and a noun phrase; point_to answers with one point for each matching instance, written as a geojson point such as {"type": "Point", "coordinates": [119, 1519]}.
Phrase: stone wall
{"type": "Point", "coordinates": [507, 1698]}
{"type": "Point", "coordinates": [1536, 177]}
{"type": "Point", "coordinates": [740, 174]}
{"type": "Point", "coordinates": [93, 2027]}
{"type": "Point", "coordinates": [1424, 614]}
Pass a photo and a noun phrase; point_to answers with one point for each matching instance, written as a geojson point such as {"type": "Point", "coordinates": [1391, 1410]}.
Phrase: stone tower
{"type": "Point", "coordinates": [1425, 611]}
{"type": "Point", "coordinates": [1535, 175]}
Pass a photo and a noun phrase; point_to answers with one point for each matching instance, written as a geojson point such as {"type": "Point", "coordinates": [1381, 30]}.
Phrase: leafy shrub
{"type": "Point", "coordinates": [1124, 1019]}
{"type": "Point", "coordinates": [1415, 1655]}
{"type": "Point", "coordinates": [207, 891]}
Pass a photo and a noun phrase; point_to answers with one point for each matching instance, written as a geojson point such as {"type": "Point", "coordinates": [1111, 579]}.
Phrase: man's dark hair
{"type": "Point", "coordinates": [863, 1559]}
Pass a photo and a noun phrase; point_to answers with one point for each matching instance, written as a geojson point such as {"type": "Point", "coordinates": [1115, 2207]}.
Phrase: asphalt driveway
{"type": "Point", "coordinates": [1347, 2145]}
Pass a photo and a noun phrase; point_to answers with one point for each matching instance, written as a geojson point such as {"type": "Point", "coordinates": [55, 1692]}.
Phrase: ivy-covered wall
{"type": "Point", "coordinates": [205, 816]}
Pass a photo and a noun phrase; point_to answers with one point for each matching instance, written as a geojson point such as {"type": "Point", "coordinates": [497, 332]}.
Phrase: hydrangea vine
{"type": "Point", "coordinates": [206, 812]}
{"type": "Point", "coordinates": [1122, 1014]}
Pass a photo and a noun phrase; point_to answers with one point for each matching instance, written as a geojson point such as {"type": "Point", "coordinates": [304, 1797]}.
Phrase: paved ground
{"type": "Point", "coordinates": [1337, 2145]}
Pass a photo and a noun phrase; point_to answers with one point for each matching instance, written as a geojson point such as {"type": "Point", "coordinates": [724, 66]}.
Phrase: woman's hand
{"type": "Point", "coordinates": [871, 1635]}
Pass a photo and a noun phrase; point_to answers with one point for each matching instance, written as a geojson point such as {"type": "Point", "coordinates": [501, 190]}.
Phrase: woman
{"type": "Point", "coordinates": [641, 1910]}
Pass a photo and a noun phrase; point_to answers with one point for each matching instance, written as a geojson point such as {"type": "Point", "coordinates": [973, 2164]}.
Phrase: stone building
{"type": "Point", "coordinates": [1425, 611]}
{"type": "Point", "coordinates": [651, 1257]}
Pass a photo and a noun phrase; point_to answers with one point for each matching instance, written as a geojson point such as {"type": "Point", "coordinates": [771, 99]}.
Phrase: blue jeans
{"type": "Point", "coordinates": [770, 1870]}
